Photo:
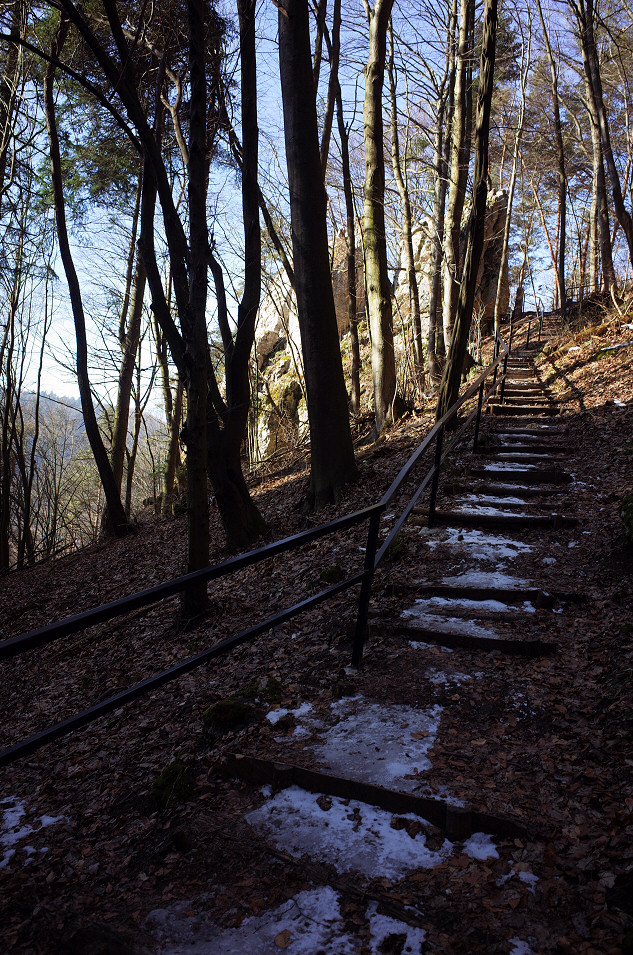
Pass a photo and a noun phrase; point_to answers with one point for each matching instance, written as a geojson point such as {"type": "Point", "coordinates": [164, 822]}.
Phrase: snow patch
{"type": "Point", "coordinates": [433, 621]}
{"type": "Point", "coordinates": [480, 846]}
{"type": "Point", "coordinates": [308, 923]}
{"type": "Point", "coordinates": [275, 715]}
{"type": "Point", "coordinates": [478, 578]}
{"type": "Point", "coordinates": [379, 743]}
{"type": "Point", "coordinates": [350, 835]}
{"type": "Point", "coordinates": [475, 544]}
{"type": "Point", "coordinates": [519, 947]}
{"type": "Point", "coordinates": [382, 927]}
{"type": "Point", "coordinates": [462, 603]}
{"type": "Point", "coordinates": [12, 831]}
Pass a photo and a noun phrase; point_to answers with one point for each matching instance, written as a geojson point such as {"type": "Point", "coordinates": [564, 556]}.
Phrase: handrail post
{"type": "Point", "coordinates": [527, 344]}
{"type": "Point", "coordinates": [436, 475]}
{"type": "Point", "coordinates": [480, 402]}
{"type": "Point", "coordinates": [365, 589]}
{"type": "Point", "coordinates": [503, 380]}
{"type": "Point", "coordinates": [511, 333]}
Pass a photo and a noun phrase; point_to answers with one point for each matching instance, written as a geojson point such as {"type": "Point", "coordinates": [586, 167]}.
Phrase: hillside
{"type": "Point", "coordinates": [87, 852]}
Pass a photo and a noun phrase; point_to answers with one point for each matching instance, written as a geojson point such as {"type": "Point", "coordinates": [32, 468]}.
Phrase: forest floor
{"type": "Point", "coordinates": [89, 862]}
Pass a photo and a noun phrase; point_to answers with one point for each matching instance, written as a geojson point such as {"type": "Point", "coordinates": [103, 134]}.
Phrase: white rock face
{"type": "Point", "coordinates": [282, 413]}
{"type": "Point", "coordinates": [423, 238]}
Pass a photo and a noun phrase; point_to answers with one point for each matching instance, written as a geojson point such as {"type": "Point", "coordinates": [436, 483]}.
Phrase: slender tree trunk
{"type": "Point", "coordinates": [560, 156]}
{"type": "Point", "coordinates": [172, 457]}
{"type": "Point", "coordinates": [525, 66]}
{"type": "Point", "coordinates": [333, 85]}
{"type": "Point", "coordinates": [378, 287]}
{"type": "Point", "coordinates": [9, 83]}
{"type": "Point", "coordinates": [584, 11]}
{"type": "Point", "coordinates": [116, 512]}
{"type": "Point", "coordinates": [460, 155]}
{"type": "Point", "coordinates": [195, 326]}
{"type": "Point", "coordinates": [407, 225]}
{"type": "Point", "coordinates": [332, 457]}
{"type": "Point", "coordinates": [352, 305]}
{"type": "Point", "coordinates": [227, 421]}
{"type": "Point", "coordinates": [451, 378]}
{"type": "Point", "coordinates": [601, 234]}
{"type": "Point", "coordinates": [442, 142]}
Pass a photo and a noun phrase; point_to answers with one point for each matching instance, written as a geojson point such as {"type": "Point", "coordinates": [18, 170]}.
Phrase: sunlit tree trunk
{"type": "Point", "coordinates": [407, 223]}
{"type": "Point", "coordinates": [451, 378]}
{"type": "Point", "coordinates": [378, 287]}
{"type": "Point", "coordinates": [458, 172]}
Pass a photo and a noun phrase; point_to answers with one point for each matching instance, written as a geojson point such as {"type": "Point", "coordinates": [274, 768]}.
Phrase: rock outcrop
{"type": "Point", "coordinates": [488, 267]}
{"type": "Point", "coordinates": [282, 413]}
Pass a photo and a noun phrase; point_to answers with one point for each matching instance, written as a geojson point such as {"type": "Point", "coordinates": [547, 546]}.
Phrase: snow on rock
{"type": "Point", "coordinates": [379, 743]}
{"type": "Point", "coordinates": [383, 927]}
{"type": "Point", "coordinates": [350, 835]}
{"type": "Point", "coordinates": [308, 923]}
{"type": "Point", "coordinates": [275, 715]}
{"type": "Point", "coordinates": [13, 831]}
{"type": "Point", "coordinates": [480, 846]}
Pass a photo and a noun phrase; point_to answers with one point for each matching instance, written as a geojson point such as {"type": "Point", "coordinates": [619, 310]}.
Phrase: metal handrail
{"type": "Point", "coordinates": [373, 557]}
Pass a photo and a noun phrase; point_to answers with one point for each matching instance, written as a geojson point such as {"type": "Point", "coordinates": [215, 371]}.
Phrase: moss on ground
{"type": "Point", "coordinates": [172, 786]}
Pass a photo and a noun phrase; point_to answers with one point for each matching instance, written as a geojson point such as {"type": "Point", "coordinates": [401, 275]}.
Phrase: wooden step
{"type": "Point", "coordinates": [466, 641]}
{"type": "Point", "coordinates": [526, 411]}
{"type": "Point", "coordinates": [534, 475]}
{"type": "Point", "coordinates": [505, 520]}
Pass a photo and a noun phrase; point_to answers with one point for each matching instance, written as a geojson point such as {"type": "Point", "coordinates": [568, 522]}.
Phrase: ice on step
{"type": "Point", "coordinates": [379, 743]}
{"type": "Point", "coordinates": [350, 835]}
{"type": "Point", "coordinates": [483, 578]}
{"type": "Point", "coordinates": [485, 499]}
{"type": "Point", "coordinates": [474, 606]}
{"type": "Point", "coordinates": [441, 624]}
{"type": "Point", "coordinates": [483, 510]}
{"type": "Point", "coordinates": [308, 923]}
{"type": "Point", "coordinates": [475, 544]}
{"type": "Point", "coordinates": [508, 466]}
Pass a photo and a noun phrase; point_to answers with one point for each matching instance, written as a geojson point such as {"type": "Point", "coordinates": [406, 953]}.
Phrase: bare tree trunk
{"type": "Point", "coordinates": [525, 66]}
{"type": "Point", "coordinates": [601, 234]}
{"type": "Point", "coordinates": [407, 226]}
{"type": "Point", "coordinates": [332, 456]}
{"type": "Point", "coordinates": [376, 276]}
{"type": "Point", "coordinates": [560, 156]}
{"type": "Point", "coordinates": [458, 175]}
{"type": "Point", "coordinates": [352, 305]}
{"type": "Point", "coordinates": [441, 143]}
{"type": "Point", "coordinates": [584, 11]}
{"type": "Point", "coordinates": [116, 512]}
{"type": "Point", "coordinates": [449, 388]}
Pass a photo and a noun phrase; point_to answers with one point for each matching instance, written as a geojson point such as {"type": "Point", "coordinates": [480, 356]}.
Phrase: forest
{"type": "Point", "coordinates": [290, 217]}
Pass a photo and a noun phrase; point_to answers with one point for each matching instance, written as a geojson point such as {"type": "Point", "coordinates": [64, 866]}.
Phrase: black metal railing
{"type": "Point", "coordinates": [373, 557]}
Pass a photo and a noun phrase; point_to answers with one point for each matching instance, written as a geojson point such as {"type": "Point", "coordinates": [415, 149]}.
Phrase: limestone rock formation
{"type": "Point", "coordinates": [488, 268]}
{"type": "Point", "coordinates": [282, 417]}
